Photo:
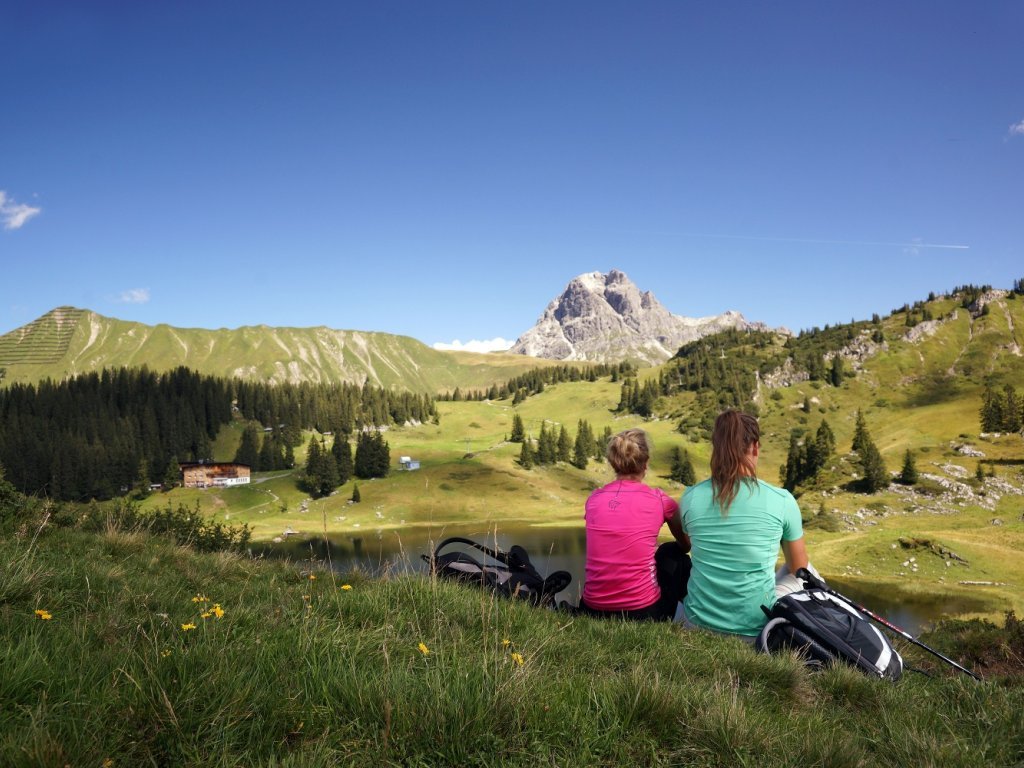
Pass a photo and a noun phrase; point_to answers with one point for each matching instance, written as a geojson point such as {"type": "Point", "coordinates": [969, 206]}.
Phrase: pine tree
{"type": "Point", "coordinates": [792, 470]}
{"type": "Point", "coordinates": [860, 433]}
{"type": "Point", "coordinates": [979, 472]}
{"type": "Point", "coordinates": [142, 478]}
{"type": "Point", "coordinates": [326, 474]}
{"type": "Point", "coordinates": [1011, 409]}
{"type": "Point", "coordinates": [875, 476]}
{"type": "Point", "coordinates": [564, 445]}
{"type": "Point", "coordinates": [268, 454]}
{"type": "Point", "coordinates": [289, 456]}
{"type": "Point", "coordinates": [836, 373]}
{"type": "Point", "coordinates": [356, 498]}
{"type": "Point", "coordinates": [248, 452]}
{"type": "Point", "coordinates": [580, 454]}
{"type": "Point", "coordinates": [601, 447]}
{"type": "Point", "coordinates": [546, 448]}
{"type": "Point", "coordinates": [172, 476]}
{"type": "Point", "coordinates": [342, 452]}
{"type": "Point", "coordinates": [518, 431]}
{"type": "Point", "coordinates": [991, 415]}
{"type": "Point", "coordinates": [908, 475]}
{"type": "Point", "coordinates": [526, 455]}
{"type": "Point", "coordinates": [312, 456]}
{"type": "Point", "coordinates": [681, 467]}
{"type": "Point", "coordinates": [826, 440]}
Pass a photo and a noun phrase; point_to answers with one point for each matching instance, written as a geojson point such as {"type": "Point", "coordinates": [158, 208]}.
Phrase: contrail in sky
{"type": "Point", "coordinates": [825, 242]}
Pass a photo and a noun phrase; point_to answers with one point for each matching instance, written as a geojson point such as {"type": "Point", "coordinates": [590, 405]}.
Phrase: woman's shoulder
{"type": "Point", "coordinates": [697, 489]}
{"type": "Point", "coordinates": [781, 493]}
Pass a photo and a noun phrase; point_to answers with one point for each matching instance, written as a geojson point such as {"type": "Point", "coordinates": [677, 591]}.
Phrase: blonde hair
{"type": "Point", "coordinates": [734, 433]}
{"type": "Point", "coordinates": [628, 452]}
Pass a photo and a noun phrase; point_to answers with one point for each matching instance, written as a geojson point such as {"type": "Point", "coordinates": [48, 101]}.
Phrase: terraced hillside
{"type": "Point", "coordinates": [68, 341]}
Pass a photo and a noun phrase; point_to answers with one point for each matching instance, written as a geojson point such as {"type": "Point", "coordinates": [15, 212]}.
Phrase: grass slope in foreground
{"type": "Point", "coordinates": [303, 671]}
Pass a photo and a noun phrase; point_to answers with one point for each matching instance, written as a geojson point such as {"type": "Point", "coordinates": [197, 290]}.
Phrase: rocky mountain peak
{"type": "Point", "coordinates": [607, 317]}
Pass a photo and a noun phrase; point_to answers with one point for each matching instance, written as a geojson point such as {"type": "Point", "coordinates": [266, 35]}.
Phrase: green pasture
{"type": "Point", "coordinates": [122, 649]}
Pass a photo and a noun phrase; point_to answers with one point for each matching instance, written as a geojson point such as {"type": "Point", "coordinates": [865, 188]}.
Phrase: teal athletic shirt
{"type": "Point", "coordinates": [734, 555]}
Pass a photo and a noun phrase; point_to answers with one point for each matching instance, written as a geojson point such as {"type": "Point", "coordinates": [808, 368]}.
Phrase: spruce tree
{"type": "Point", "coordinates": [860, 433]}
{"type": "Point", "coordinates": [601, 446]}
{"type": "Point", "coordinates": [908, 475]}
{"type": "Point", "coordinates": [875, 476]}
{"type": "Point", "coordinates": [356, 498]}
{"type": "Point", "coordinates": [580, 454]}
{"type": "Point", "coordinates": [268, 454]}
{"type": "Point", "coordinates": [836, 373]}
{"type": "Point", "coordinates": [546, 448]}
{"type": "Point", "coordinates": [681, 467]}
{"type": "Point", "coordinates": [142, 478]}
{"type": "Point", "coordinates": [1011, 410]}
{"type": "Point", "coordinates": [326, 477]}
{"type": "Point", "coordinates": [792, 470]}
{"type": "Point", "coordinates": [312, 456]}
{"type": "Point", "coordinates": [826, 440]}
{"type": "Point", "coordinates": [248, 452]}
{"type": "Point", "coordinates": [526, 455]}
{"type": "Point", "coordinates": [564, 445]}
{"type": "Point", "coordinates": [342, 452]}
{"type": "Point", "coordinates": [172, 476]}
{"type": "Point", "coordinates": [518, 431]}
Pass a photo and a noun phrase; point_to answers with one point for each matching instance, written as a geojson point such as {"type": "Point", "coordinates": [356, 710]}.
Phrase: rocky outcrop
{"type": "Point", "coordinates": [606, 317]}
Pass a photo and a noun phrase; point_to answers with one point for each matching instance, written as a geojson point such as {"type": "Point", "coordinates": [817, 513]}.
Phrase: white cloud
{"type": "Point", "coordinates": [14, 215]}
{"type": "Point", "coordinates": [134, 296]}
{"type": "Point", "coordinates": [492, 345]}
{"type": "Point", "coordinates": [1017, 129]}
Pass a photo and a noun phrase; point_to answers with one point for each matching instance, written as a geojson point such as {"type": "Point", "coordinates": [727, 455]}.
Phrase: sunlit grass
{"type": "Point", "coordinates": [154, 654]}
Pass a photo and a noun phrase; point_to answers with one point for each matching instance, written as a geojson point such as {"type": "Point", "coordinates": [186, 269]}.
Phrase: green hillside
{"type": "Point", "coordinates": [69, 341]}
{"type": "Point", "coordinates": [919, 389]}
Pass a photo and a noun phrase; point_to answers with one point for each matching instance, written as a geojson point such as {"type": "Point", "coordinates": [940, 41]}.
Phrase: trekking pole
{"type": "Point", "coordinates": [811, 580]}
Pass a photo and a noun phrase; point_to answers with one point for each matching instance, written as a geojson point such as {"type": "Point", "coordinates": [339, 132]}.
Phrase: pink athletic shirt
{"type": "Point", "coordinates": [623, 521]}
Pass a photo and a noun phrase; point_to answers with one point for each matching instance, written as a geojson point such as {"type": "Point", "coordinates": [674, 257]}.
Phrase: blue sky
{"type": "Point", "coordinates": [442, 170]}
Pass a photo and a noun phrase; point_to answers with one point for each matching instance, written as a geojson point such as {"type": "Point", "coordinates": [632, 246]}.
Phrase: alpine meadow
{"type": "Point", "coordinates": [144, 624]}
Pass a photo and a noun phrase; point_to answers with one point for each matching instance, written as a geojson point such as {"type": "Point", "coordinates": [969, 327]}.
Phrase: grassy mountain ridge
{"type": "Point", "coordinates": [68, 341]}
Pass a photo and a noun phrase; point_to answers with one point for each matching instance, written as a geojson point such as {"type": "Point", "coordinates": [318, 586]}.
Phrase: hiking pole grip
{"type": "Point", "coordinates": [809, 579]}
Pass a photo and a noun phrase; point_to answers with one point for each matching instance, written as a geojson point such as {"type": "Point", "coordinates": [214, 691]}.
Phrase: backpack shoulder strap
{"type": "Point", "coordinates": [494, 554]}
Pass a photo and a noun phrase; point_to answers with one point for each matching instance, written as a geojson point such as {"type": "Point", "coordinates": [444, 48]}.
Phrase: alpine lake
{"type": "Point", "coordinates": [387, 551]}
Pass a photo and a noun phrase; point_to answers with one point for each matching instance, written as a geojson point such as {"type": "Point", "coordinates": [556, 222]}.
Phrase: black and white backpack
{"type": "Point", "coordinates": [511, 574]}
{"type": "Point", "coordinates": [824, 629]}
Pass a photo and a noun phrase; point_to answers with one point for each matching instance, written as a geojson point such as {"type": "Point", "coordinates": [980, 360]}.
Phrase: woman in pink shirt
{"type": "Point", "coordinates": [627, 574]}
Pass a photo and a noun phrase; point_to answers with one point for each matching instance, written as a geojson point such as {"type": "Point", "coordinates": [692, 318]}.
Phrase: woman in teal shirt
{"type": "Point", "coordinates": [735, 523]}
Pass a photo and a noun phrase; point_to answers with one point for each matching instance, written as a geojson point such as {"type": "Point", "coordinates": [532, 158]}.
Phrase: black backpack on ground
{"type": "Point", "coordinates": [510, 575]}
{"type": "Point", "coordinates": [824, 629]}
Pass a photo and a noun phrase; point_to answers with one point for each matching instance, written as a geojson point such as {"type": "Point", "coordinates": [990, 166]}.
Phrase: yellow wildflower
{"type": "Point", "coordinates": [346, 587]}
{"type": "Point", "coordinates": [506, 643]}
{"type": "Point", "coordinates": [200, 599]}
{"type": "Point", "coordinates": [165, 653]}
{"type": "Point", "coordinates": [44, 615]}
{"type": "Point", "coordinates": [517, 659]}
{"type": "Point", "coordinates": [423, 649]}
{"type": "Point", "coordinates": [206, 615]}
{"type": "Point", "coordinates": [312, 577]}
{"type": "Point", "coordinates": [217, 610]}
{"type": "Point", "coordinates": [187, 627]}
{"type": "Point", "coordinates": [108, 763]}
